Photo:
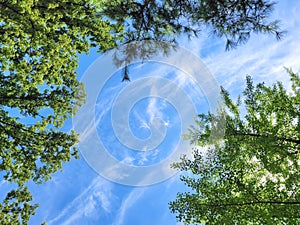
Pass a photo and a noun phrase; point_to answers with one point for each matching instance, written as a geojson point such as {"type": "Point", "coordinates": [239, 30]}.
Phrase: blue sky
{"type": "Point", "coordinates": [78, 195]}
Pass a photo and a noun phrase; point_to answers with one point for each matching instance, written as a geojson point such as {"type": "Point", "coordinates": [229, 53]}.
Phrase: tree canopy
{"type": "Point", "coordinates": [39, 46]}
{"type": "Point", "coordinates": [40, 43]}
{"type": "Point", "coordinates": [165, 20]}
{"type": "Point", "coordinates": [251, 175]}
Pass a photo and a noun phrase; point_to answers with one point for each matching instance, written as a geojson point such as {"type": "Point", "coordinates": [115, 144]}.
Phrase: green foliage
{"type": "Point", "coordinates": [166, 19]}
{"type": "Point", "coordinates": [251, 176]}
{"type": "Point", "coordinates": [15, 208]}
{"type": "Point", "coordinates": [39, 46]}
{"type": "Point", "coordinates": [40, 43]}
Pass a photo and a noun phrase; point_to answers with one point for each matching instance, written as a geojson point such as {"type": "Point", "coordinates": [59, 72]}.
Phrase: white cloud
{"type": "Point", "coordinates": [141, 120]}
{"type": "Point", "coordinates": [2, 182]}
{"type": "Point", "coordinates": [153, 109]}
{"type": "Point", "coordinates": [96, 197]}
{"type": "Point", "coordinates": [145, 156]}
{"type": "Point", "coordinates": [128, 160]}
{"type": "Point", "coordinates": [263, 57]}
{"type": "Point", "coordinates": [127, 203]}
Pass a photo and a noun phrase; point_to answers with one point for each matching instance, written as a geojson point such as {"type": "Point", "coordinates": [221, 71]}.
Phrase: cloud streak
{"type": "Point", "coordinates": [127, 203]}
{"type": "Point", "coordinates": [263, 57]}
{"type": "Point", "coordinates": [95, 198]}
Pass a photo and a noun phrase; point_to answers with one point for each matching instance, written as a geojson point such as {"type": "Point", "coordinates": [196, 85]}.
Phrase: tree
{"type": "Point", "coordinates": [39, 46]}
{"type": "Point", "coordinates": [251, 175]}
{"type": "Point", "coordinates": [40, 43]}
{"type": "Point", "coordinates": [164, 20]}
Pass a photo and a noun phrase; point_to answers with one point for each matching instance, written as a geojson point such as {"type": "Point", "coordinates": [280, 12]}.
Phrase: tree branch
{"type": "Point", "coordinates": [296, 141]}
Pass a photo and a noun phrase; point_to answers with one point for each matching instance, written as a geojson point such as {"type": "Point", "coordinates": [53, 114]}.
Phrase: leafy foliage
{"type": "Point", "coordinates": [166, 19]}
{"type": "Point", "coordinates": [251, 176]}
{"type": "Point", "coordinates": [39, 45]}
{"type": "Point", "coordinates": [17, 203]}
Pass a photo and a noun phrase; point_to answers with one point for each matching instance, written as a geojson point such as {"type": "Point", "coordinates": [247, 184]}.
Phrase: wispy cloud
{"type": "Point", "coordinates": [147, 155]}
{"type": "Point", "coordinates": [263, 57]}
{"type": "Point", "coordinates": [127, 203]}
{"type": "Point", "coordinates": [95, 198]}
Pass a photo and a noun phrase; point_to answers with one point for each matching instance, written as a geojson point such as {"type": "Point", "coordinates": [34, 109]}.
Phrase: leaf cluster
{"type": "Point", "coordinates": [40, 41]}
{"type": "Point", "coordinates": [166, 19]}
{"type": "Point", "coordinates": [251, 175]}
